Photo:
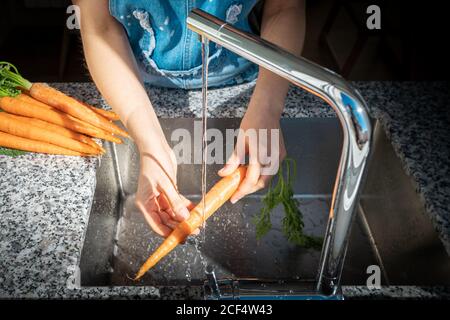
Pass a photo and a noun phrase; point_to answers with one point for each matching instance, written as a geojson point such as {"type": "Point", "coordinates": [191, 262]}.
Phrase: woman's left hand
{"type": "Point", "coordinates": [283, 23]}
{"type": "Point", "coordinates": [261, 138]}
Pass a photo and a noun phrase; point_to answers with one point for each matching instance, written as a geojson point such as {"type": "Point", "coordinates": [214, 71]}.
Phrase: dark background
{"type": "Point", "coordinates": [411, 45]}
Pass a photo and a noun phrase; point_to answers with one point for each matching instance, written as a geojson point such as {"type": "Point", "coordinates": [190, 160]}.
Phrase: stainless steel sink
{"type": "Point", "coordinates": [118, 240]}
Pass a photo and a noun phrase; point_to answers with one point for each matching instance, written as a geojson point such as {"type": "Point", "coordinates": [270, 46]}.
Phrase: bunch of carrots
{"type": "Point", "coordinates": [39, 118]}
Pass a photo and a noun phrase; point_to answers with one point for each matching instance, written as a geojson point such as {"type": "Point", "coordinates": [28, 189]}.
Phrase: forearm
{"type": "Point", "coordinates": [115, 73]}
{"type": "Point", "coordinates": [285, 27]}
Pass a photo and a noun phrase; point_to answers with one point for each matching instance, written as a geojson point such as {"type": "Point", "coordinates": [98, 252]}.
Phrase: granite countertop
{"type": "Point", "coordinates": [45, 200]}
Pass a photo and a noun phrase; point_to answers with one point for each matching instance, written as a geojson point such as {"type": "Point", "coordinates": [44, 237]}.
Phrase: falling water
{"type": "Point", "coordinates": [200, 240]}
{"type": "Point", "coordinates": [205, 54]}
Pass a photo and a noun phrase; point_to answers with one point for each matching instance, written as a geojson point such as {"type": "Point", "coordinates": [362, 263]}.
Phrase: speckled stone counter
{"type": "Point", "coordinates": [45, 200]}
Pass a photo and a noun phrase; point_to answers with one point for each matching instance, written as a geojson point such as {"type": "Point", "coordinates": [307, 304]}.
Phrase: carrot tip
{"type": "Point", "coordinates": [138, 275]}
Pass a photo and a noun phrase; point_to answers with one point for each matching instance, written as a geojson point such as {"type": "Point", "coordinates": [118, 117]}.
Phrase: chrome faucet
{"type": "Point", "coordinates": [357, 133]}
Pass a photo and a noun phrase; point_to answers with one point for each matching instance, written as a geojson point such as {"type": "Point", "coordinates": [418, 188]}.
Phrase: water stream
{"type": "Point", "coordinates": [205, 54]}
{"type": "Point", "coordinates": [200, 240]}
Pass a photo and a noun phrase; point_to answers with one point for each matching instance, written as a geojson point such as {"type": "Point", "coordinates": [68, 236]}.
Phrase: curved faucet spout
{"type": "Point", "coordinates": [350, 109]}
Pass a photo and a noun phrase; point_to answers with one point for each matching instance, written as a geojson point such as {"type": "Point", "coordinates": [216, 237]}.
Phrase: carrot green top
{"type": "Point", "coordinates": [11, 80]}
{"type": "Point", "coordinates": [282, 193]}
{"type": "Point", "coordinates": [9, 77]}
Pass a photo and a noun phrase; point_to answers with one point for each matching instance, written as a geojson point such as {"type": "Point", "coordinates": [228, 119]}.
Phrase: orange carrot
{"type": "Point", "coordinates": [214, 199]}
{"type": "Point", "coordinates": [62, 102]}
{"type": "Point", "coordinates": [11, 141]}
{"type": "Point", "coordinates": [23, 128]}
{"type": "Point", "coordinates": [30, 99]}
{"type": "Point", "coordinates": [30, 110]}
{"type": "Point", "coordinates": [59, 130]}
{"type": "Point", "coordinates": [12, 81]}
{"type": "Point", "coordinates": [110, 115]}
{"type": "Point", "coordinates": [96, 132]}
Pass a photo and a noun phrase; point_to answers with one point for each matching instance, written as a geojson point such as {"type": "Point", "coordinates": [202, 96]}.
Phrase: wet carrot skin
{"type": "Point", "coordinates": [214, 199]}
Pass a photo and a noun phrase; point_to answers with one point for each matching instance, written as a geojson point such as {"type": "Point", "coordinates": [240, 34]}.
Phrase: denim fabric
{"type": "Point", "coordinates": [169, 55]}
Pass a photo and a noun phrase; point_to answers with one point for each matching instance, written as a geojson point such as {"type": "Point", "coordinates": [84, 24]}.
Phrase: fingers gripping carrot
{"type": "Point", "coordinates": [214, 199]}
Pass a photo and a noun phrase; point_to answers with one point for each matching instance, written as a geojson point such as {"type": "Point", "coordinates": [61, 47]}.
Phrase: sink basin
{"type": "Point", "coordinates": [118, 240]}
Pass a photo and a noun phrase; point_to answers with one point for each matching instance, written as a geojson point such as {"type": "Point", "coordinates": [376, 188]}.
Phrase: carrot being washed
{"type": "Point", "coordinates": [14, 142]}
{"type": "Point", "coordinates": [31, 110]}
{"type": "Point", "coordinates": [214, 199]}
{"type": "Point", "coordinates": [23, 128]}
{"type": "Point", "coordinates": [58, 100]}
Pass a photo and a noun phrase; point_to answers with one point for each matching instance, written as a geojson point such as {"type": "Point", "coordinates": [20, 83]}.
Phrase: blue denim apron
{"type": "Point", "coordinates": [169, 55]}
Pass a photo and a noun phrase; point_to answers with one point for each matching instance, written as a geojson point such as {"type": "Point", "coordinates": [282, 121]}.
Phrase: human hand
{"type": "Point", "coordinates": [157, 196]}
{"type": "Point", "coordinates": [265, 149]}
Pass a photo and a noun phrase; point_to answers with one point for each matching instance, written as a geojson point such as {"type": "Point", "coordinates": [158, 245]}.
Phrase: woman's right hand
{"type": "Point", "coordinates": [104, 39]}
{"type": "Point", "coordinates": [157, 196]}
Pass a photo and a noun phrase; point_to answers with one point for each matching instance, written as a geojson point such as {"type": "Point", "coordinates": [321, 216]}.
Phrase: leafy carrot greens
{"type": "Point", "coordinates": [282, 193]}
{"type": "Point", "coordinates": [8, 89]}
{"type": "Point", "coordinates": [11, 152]}
{"type": "Point", "coordinates": [10, 78]}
